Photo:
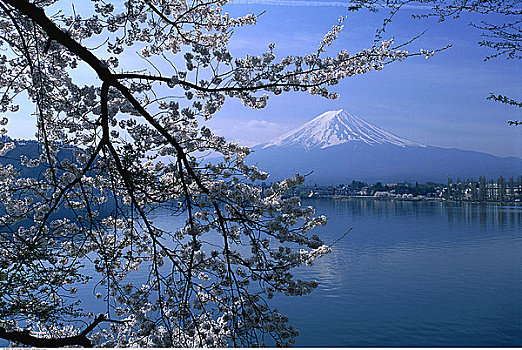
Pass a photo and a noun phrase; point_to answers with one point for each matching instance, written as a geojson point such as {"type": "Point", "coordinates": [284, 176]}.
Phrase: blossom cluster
{"type": "Point", "coordinates": [114, 155]}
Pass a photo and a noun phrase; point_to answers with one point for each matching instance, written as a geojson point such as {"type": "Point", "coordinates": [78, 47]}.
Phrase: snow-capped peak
{"type": "Point", "coordinates": [336, 127]}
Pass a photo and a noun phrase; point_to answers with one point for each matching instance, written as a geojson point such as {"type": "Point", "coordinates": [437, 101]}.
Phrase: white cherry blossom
{"type": "Point", "coordinates": [115, 154]}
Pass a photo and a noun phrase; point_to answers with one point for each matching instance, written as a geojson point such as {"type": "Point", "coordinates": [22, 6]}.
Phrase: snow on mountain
{"type": "Point", "coordinates": [337, 127]}
{"type": "Point", "coordinates": [337, 147]}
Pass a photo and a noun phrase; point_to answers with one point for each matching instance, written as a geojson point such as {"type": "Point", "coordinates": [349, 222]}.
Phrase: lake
{"type": "Point", "coordinates": [408, 274]}
{"type": "Point", "coordinates": [414, 274]}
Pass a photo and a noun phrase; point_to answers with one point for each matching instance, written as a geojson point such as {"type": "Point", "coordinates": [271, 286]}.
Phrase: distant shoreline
{"type": "Point", "coordinates": [411, 199]}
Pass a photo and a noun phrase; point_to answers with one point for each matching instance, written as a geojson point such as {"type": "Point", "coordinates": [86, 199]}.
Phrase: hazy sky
{"type": "Point", "coordinates": [440, 101]}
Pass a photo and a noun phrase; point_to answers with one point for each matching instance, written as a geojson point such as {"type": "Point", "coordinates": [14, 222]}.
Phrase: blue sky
{"type": "Point", "coordinates": [440, 101]}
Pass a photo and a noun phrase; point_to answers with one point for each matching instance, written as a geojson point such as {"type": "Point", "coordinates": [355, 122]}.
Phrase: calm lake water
{"type": "Point", "coordinates": [408, 274]}
{"type": "Point", "coordinates": [414, 274]}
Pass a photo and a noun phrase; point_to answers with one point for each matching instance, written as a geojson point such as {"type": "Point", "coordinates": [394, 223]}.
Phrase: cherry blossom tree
{"type": "Point", "coordinates": [500, 24]}
{"type": "Point", "coordinates": [127, 144]}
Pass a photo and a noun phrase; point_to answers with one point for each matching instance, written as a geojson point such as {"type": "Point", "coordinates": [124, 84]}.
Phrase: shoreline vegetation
{"type": "Point", "coordinates": [484, 190]}
{"type": "Point", "coordinates": [413, 199]}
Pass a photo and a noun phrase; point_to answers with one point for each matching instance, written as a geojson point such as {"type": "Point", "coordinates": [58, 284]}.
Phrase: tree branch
{"type": "Point", "coordinates": [81, 339]}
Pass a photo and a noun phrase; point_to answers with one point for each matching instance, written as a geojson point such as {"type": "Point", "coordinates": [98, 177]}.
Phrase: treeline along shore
{"type": "Point", "coordinates": [470, 190]}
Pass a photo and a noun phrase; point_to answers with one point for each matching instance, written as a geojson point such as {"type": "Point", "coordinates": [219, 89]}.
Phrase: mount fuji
{"type": "Point", "coordinates": [338, 147]}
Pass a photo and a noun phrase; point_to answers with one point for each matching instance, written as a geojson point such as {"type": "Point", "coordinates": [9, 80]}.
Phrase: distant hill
{"type": "Point", "coordinates": [339, 147]}
{"type": "Point", "coordinates": [31, 149]}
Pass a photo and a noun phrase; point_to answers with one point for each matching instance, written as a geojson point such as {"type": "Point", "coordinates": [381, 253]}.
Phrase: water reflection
{"type": "Point", "coordinates": [494, 213]}
{"type": "Point", "coordinates": [409, 274]}
{"type": "Point", "coordinates": [415, 274]}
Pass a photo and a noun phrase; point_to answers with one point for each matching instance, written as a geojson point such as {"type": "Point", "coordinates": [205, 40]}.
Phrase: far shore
{"type": "Point", "coordinates": [405, 199]}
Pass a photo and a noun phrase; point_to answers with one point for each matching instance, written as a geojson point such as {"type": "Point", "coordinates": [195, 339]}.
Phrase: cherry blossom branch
{"type": "Point", "coordinates": [81, 339]}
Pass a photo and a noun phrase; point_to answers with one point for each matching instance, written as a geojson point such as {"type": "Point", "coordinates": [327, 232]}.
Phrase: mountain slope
{"type": "Point", "coordinates": [31, 149]}
{"type": "Point", "coordinates": [337, 127]}
{"type": "Point", "coordinates": [338, 147]}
